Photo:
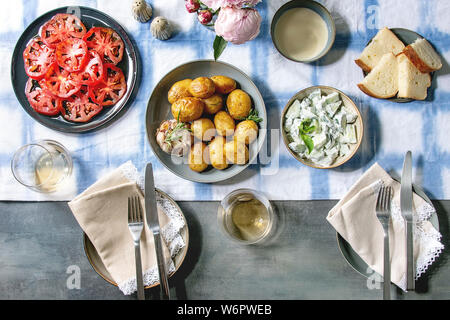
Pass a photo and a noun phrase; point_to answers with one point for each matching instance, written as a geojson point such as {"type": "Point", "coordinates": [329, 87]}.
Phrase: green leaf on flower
{"type": "Point", "coordinates": [219, 45]}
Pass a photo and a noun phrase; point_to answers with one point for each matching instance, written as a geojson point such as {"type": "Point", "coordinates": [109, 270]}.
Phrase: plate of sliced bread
{"type": "Point", "coordinates": [398, 64]}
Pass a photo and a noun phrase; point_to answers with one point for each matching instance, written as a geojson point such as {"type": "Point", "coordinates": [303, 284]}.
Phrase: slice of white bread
{"type": "Point", "coordinates": [382, 81]}
{"type": "Point", "coordinates": [423, 56]}
{"type": "Point", "coordinates": [384, 42]}
{"type": "Point", "coordinates": [411, 82]}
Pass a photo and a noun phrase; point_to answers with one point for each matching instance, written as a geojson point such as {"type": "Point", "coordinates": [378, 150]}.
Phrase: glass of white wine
{"type": "Point", "coordinates": [247, 217]}
{"type": "Point", "coordinates": [42, 166]}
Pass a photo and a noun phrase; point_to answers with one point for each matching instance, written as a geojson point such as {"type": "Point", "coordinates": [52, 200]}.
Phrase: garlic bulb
{"type": "Point", "coordinates": [161, 28]}
{"type": "Point", "coordinates": [142, 11]}
{"type": "Point", "coordinates": [174, 137]}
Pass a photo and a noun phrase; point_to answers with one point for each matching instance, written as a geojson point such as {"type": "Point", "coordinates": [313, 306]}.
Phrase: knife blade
{"type": "Point", "coordinates": [151, 213]}
{"type": "Point", "coordinates": [406, 206]}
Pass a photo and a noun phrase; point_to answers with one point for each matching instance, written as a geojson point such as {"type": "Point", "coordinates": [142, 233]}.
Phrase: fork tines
{"type": "Point", "coordinates": [134, 210]}
{"type": "Point", "coordinates": [383, 206]}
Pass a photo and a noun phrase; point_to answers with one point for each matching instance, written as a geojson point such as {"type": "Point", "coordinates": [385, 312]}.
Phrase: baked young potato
{"type": "Point", "coordinates": [198, 112]}
{"type": "Point", "coordinates": [202, 87]}
{"type": "Point", "coordinates": [224, 84]}
{"type": "Point", "coordinates": [213, 104]}
{"type": "Point", "coordinates": [203, 129]}
{"type": "Point", "coordinates": [187, 109]}
{"type": "Point", "coordinates": [239, 104]}
{"type": "Point", "coordinates": [198, 157]}
{"type": "Point", "coordinates": [179, 89]}
{"type": "Point", "coordinates": [217, 153]}
{"type": "Point", "coordinates": [246, 131]}
{"type": "Point", "coordinates": [236, 152]}
{"type": "Point", "coordinates": [224, 123]}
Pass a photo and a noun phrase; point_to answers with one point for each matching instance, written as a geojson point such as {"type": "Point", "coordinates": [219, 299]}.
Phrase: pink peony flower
{"type": "Point", "coordinates": [192, 5]}
{"type": "Point", "coordinates": [213, 4]}
{"type": "Point", "coordinates": [216, 4]}
{"type": "Point", "coordinates": [204, 16]}
{"type": "Point", "coordinates": [238, 25]}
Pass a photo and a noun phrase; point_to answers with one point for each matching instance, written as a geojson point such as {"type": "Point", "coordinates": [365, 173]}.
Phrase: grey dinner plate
{"type": "Point", "coordinates": [159, 109]}
{"type": "Point", "coordinates": [130, 66]}
{"type": "Point", "coordinates": [407, 37]}
{"type": "Point", "coordinates": [99, 267]}
{"type": "Point", "coordinates": [355, 261]}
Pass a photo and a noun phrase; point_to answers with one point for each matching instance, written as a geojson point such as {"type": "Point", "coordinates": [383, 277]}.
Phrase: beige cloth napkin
{"type": "Point", "coordinates": [102, 212]}
{"type": "Point", "coordinates": [354, 218]}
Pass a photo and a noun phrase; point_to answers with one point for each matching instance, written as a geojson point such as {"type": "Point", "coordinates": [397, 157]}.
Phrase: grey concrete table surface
{"type": "Point", "coordinates": [41, 245]}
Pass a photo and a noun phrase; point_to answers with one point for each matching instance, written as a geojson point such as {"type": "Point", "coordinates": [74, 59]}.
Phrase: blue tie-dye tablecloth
{"type": "Point", "coordinates": [391, 129]}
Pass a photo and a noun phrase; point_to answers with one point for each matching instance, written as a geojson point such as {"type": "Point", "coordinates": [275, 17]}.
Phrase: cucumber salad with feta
{"type": "Point", "coordinates": [320, 128]}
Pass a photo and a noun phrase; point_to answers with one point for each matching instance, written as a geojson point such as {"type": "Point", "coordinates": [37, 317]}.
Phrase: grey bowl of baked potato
{"type": "Point", "coordinates": [222, 109]}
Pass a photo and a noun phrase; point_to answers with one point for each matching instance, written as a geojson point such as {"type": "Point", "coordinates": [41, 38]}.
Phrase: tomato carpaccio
{"type": "Point", "coordinates": [37, 58]}
{"type": "Point", "coordinates": [109, 91]}
{"type": "Point", "coordinates": [79, 108]}
{"type": "Point", "coordinates": [73, 71]}
{"type": "Point", "coordinates": [41, 101]}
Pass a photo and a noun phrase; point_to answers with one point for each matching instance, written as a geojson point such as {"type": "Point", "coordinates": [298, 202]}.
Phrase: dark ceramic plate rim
{"type": "Point", "coordinates": [397, 32]}
{"type": "Point", "coordinates": [184, 250]}
{"type": "Point", "coordinates": [262, 133]}
{"type": "Point", "coordinates": [347, 251]}
{"type": "Point", "coordinates": [290, 5]}
{"type": "Point", "coordinates": [58, 123]}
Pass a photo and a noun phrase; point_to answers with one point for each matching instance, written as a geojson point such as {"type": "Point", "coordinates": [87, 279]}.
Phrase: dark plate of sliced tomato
{"type": "Point", "coordinates": [74, 69]}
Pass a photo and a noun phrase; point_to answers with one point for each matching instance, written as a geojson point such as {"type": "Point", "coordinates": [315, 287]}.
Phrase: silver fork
{"type": "Point", "coordinates": [383, 210]}
{"type": "Point", "coordinates": [136, 225]}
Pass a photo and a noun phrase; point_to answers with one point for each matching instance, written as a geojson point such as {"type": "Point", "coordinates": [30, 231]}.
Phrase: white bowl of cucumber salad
{"type": "Point", "coordinates": [322, 127]}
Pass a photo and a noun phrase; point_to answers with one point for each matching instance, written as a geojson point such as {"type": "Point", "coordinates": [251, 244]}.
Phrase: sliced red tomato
{"type": "Point", "coordinates": [37, 58]}
{"type": "Point", "coordinates": [72, 54]}
{"type": "Point", "coordinates": [40, 100]}
{"type": "Point", "coordinates": [60, 82]}
{"type": "Point", "coordinates": [79, 108]}
{"type": "Point", "coordinates": [111, 89]}
{"type": "Point", "coordinates": [106, 42]}
{"type": "Point", "coordinates": [61, 27]}
{"type": "Point", "coordinates": [93, 72]}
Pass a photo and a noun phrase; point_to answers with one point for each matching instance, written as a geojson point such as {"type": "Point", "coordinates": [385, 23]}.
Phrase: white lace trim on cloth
{"type": "Point", "coordinates": [170, 232]}
{"type": "Point", "coordinates": [429, 240]}
{"type": "Point", "coordinates": [150, 277]}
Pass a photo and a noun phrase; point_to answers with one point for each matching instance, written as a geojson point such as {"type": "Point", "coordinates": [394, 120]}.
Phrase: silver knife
{"type": "Point", "coordinates": [151, 213]}
{"type": "Point", "coordinates": [406, 205]}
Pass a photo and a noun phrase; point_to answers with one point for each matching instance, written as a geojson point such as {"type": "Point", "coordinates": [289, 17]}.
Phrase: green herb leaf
{"type": "Point", "coordinates": [219, 45]}
{"type": "Point", "coordinates": [308, 142]}
{"type": "Point", "coordinates": [305, 128]}
{"type": "Point", "coordinates": [178, 127]}
{"type": "Point", "coordinates": [309, 129]}
{"type": "Point", "coordinates": [253, 115]}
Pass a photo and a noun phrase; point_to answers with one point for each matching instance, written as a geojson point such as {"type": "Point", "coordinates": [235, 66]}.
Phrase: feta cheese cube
{"type": "Point", "coordinates": [294, 110]}
{"type": "Point", "coordinates": [351, 116]}
{"type": "Point", "coordinates": [306, 103]}
{"type": "Point", "coordinates": [319, 141]}
{"type": "Point", "coordinates": [333, 108]}
{"type": "Point", "coordinates": [332, 154]}
{"type": "Point", "coordinates": [344, 150]}
{"type": "Point", "coordinates": [315, 94]}
{"type": "Point", "coordinates": [332, 98]}
{"type": "Point", "coordinates": [316, 156]}
{"type": "Point", "coordinates": [350, 134]}
{"type": "Point", "coordinates": [297, 146]}
{"type": "Point", "coordinates": [288, 124]}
